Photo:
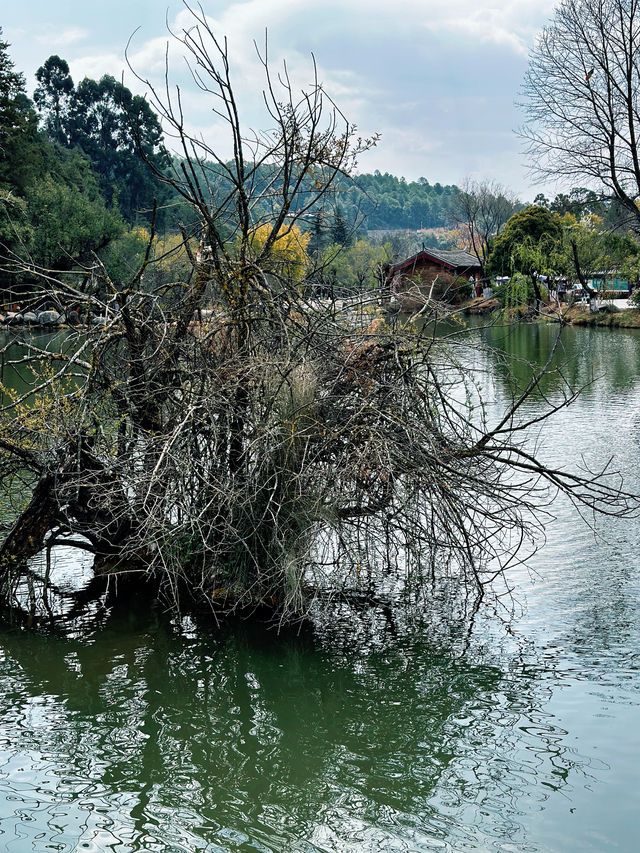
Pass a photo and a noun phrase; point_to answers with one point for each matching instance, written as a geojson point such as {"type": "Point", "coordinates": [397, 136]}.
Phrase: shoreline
{"type": "Point", "coordinates": [611, 314]}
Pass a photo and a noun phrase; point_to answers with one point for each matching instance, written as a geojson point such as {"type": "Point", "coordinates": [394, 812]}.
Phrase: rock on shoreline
{"type": "Point", "coordinates": [32, 318]}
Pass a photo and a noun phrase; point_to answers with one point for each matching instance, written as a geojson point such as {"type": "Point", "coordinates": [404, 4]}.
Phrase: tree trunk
{"type": "Point", "coordinates": [26, 538]}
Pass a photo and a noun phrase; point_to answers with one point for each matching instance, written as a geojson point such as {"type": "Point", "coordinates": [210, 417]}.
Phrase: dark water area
{"type": "Point", "coordinates": [132, 730]}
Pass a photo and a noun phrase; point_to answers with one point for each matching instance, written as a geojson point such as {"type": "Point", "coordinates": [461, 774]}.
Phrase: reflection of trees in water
{"type": "Point", "coordinates": [596, 593]}
{"type": "Point", "coordinates": [516, 351]}
{"type": "Point", "coordinates": [170, 743]}
{"type": "Point", "coordinates": [185, 741]}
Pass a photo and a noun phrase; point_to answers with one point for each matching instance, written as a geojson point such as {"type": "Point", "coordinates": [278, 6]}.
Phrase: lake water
{"type": "Point", "coordinates": [132, 731]}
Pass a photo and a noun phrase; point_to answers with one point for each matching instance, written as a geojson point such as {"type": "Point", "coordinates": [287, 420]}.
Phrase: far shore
{"type": "Point", "coordinates": [610, 313]}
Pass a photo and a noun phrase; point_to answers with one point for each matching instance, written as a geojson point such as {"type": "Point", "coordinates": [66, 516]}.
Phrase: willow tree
{"type": "Point", "coordinates": [242, 445]}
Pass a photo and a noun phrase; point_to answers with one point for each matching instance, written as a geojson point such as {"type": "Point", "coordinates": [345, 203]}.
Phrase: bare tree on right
{"type": "Point", "coordinates": [582, 95]}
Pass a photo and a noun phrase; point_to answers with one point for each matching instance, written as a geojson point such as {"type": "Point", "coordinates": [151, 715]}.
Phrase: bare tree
{"type": "Point", "coordinates": [581, 95]}
{"type": "Point", "coordinates": [243, 445]}
{"type": "Point", "coordinates": [482, 208]}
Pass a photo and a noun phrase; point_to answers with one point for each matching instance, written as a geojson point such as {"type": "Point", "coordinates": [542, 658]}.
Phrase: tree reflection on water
{"type": "Point", "coordinates": [146, 736]}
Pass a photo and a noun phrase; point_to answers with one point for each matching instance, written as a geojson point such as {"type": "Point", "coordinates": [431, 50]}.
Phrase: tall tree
{"type": "Point", "coordinates": [115, 129]}
{"type": "Point", "coordinates": [581, 98]}
{"type": "Point", "coordinates": [318, 234]}
{"type": "Point", "coordinates": [11, 87]}
{"type": "Point", "coordinates": [53, 97]}
{"type": "Point", "coordinates": [482, 208]}
{"type": "Point", "coordinates": [19, 144]}
{"type": "Point", "coordinates": [341, 232]}
{"type": "Point", "coordinates": [51, 210]}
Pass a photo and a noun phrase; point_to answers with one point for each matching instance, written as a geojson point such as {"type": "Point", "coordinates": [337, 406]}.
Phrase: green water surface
{"type": "Point", "coordinates": [130, 730]}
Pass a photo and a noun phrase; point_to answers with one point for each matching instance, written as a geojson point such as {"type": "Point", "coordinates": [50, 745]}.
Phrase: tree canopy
{"type": "Point", "coordinates": [51, 209]}
{"type": "Point", "coordinates": [112, 127]}
{"type": "Point", "coordinates": [534, 226]}
{"type": "Point", "coordinates": [53, 97]}
{"type": "Point", "coordinates": [19, 145]}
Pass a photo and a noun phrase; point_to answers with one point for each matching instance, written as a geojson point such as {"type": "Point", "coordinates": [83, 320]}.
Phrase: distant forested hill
{"type": "Point", "coordinates": [391, 202]}
{"type": "Point", "coordinates": [67, 127]}
{"type": "Point", "coordinates": [367, 202]}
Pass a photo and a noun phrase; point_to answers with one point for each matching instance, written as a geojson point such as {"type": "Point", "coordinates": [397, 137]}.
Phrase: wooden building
{"type": "Point", "coordinates": [436, 273]}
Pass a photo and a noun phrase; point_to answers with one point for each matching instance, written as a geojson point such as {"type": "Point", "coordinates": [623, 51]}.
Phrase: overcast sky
{"type": "Point", "coordinates": [436, 78]}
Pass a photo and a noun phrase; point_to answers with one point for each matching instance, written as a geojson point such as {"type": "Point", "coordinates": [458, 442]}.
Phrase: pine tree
{"type": "Point", "coordinates": [19, 147]}
{"type": "Point", "coordinates": [318, 234]}
{"type": "Point", "coordinates": [340, 231]}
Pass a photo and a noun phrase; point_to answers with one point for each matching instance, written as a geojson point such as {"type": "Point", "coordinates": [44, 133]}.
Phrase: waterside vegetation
{"type": "Point", "coordinates": [217, 422]}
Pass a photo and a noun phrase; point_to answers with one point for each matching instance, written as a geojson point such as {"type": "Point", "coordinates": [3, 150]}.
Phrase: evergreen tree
{"type": "Point", "coordinates": [340, 231]}
{"type": "Point", "coordinates": [68, 216]}
{"type": "Point", "coordinates": [11, 86]}
{"type": "Point", "coordinates": [112, 127]}
{"type": "Point", "coordinates": [19, 144]}
{"type": "Point", "coordinates": [318, 234]}
{"type": "Point", "coordinates": [53, 97]}
{"type": "Point", "coordinates": [51, 210]}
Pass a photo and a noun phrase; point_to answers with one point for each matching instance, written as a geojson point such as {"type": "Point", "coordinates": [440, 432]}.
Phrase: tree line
{"type": "Point", "coordinates": [97, 128]}
{"type": "Point", "coordinates": [212, 429]}
{"type": "Point", "coordinates": [73, 178]}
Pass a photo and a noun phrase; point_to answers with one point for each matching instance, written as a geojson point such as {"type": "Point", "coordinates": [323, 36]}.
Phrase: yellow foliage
{"type": "Point", "coordinates": [288, 255]}
{"type": "Point", "coordinates": [139, 234]}
{"type": "Point", "coordinates": [592, 222]}
{"type": "Point", "coordinates": [568, 220]}
{"type": "Point", "coordinates": [171, 259]}
{"type": "Point", "coordinates": [31, 421]}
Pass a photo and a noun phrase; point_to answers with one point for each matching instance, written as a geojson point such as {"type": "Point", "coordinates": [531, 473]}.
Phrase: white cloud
{"type": "Point", "coordinates": [436, 77]}
{"type": "Point", "coordinates": [62, 39]}
{"type": "Point", "coordinates": [95, 66]}
{"type": "Point", "coordinates": [149, 59]}
{"type": "Point", "coordinates": [416, 72]}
